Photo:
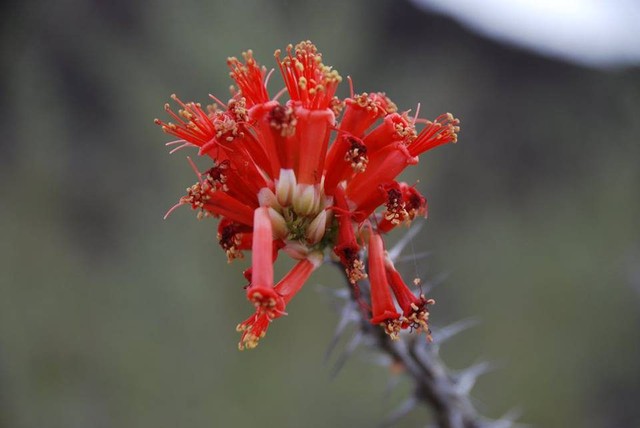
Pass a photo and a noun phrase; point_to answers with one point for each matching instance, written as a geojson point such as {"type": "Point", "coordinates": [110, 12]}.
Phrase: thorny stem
{"type": "Point", "coordinates": [434, 385]}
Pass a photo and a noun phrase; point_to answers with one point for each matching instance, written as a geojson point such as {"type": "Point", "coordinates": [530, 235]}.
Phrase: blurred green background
{"type": "Point", "coordinates": [112, 317]}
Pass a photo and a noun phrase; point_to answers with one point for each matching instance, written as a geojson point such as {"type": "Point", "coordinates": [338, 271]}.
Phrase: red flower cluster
{"type": "Point", "coordinates": [289, 176]}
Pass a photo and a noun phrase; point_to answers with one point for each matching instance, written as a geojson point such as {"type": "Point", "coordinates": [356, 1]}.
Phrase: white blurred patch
{"type": "Point", "coordinates": [590, 32]}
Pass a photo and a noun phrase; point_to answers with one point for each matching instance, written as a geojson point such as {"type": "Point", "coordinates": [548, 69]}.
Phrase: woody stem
{"type": "Point", "coordinates": [434, 386]}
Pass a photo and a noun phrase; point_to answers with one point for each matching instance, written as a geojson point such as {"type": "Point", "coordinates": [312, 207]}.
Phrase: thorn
{"type": "Point", "coordinates": [508, 420]}
{"type": "Point", "coordinates": [393, 382]}
{"type": "Point", "coordinates": [403, 410]}
{"type": "Point", "coordinates": [346, 317]}
{"type": "Point", "coordinates": [397, 249]}
{"type": "Point", "coordinates": [340, 293]}
{"type": "Point", "coordinates": [436, 281]}
{"type": "Point", "coordinates": [468, 377]}
{"type": "Point", "coordinates": [380, 360]}
{"type": "Point", "coordinates": [443, 334]}
{"type": "Point", "coordinates": [348, 351]}
{"type": "Point", "coordinates": [500, 423]}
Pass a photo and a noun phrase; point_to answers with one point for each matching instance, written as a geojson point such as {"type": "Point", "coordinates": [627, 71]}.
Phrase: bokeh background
{"type": "Point", "coordinates": [112, 317]}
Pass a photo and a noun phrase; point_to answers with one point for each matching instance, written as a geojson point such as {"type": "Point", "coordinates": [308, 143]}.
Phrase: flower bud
{"type": "Point", "coordinates": [305, 199]}
{"type": "Point", "coordinates": [286, 186]}
{"type": "Point", "coordinates": [278, 223]}
{"type": "Point", "coordinates": [266, 198]}
{"type": "Point", "coordinates": [316, 229]}
{"type": "Point", "coordinates": [296, 250]}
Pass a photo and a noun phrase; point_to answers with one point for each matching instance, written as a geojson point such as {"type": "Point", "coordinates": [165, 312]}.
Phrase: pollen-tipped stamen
{"type": "Point", "coordinates": [250, 78]}
{"type": "Point", "coordinates": [444, 129]}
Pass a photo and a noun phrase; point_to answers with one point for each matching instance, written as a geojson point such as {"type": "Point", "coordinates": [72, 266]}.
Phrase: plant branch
{"type": "Point", "coordinates": [445, 392]}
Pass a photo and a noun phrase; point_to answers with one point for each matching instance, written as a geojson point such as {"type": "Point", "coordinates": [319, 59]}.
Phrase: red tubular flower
{"type": "Point", "coordinates": [348, 156]}
{"type": "Point", "coordinates": [282, 122]}
{"type": "Point", "coordinates": [295, 279]}
{"type": "Point", "coordinates": [414, 308]}
{"type": "Point", "coordinates": [404, 203]}
{"type": "Point", "coordinates": [383, 310]}
{"type": "Point", "coordinates": [312, 133]}
{"type": "Point", "coordinates": [384, 166]}
{"type": "Point", "coordinates": [290, 175]}
{"type": "Point", "coordinates": [308, 80]}
{"type": "Point", "coordinates": [364, 110]}
{"type": "Point", "coordinates": [415, 203]}
{"type": "Point", "coordinates": [262, 260]}
{"type": "Point", "coordinates": [234, 238]}
{"type": "Point", "coordinates": [268, 303]}
{"type": "Point", "coordinates": [274, 125]}
{"type": "Point", "coordinates": [441, 131]}
{"type": "Point", "coordinates": [224, 205]}
{"type": "Point", "coordinates": [394, 128]}
{"type": "Point", "coordinates": [347, 248]}
{"type": "Point", "coordinates": [232, 141]}
{"type": "Point", "coordinates": [215, 203]}
{"type": "Point", "coordinates": [255, 327]}
{"type": "Point", "coordinates": [311, 85]}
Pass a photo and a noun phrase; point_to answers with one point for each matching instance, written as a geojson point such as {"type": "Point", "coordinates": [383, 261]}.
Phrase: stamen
{"type": "Point", "coordinates": [280, 93]}
{"type": "Point", "coordinates": [444, 129]}
{"type": "Point", "coordinates": [216, 176]}
{"type": "Point", "coordinates": [405, 133]}
{"type": "Point", "coordinates": [283, 119]}
{"type": "Point", "coordinates": [350, 86]}
{"type": "Point", "coordinates": [336, 106]}
{"type": "Point", "coordinates": [416, 115]}
{"type": "Point", "coordinates": [174, 142]}
{"type": "Point", "coordinates": [216, 99]}
{"type": "Point", "coordinates": [172, 209]}
{"type": "Point", "coordinates": [392, 327]}
{"type": "Point", "coordinates": [238, 108]}
{"type": "Point", "coordinates": [230, 238]}
{"type": "Point", "coordinates": [395, 212]}
{"type": "Point", "coordinates": [182, 146]}
{"type": "Point", "coordinates": [266, 79]}
{"type": "Point", "coordinates": [195, 169]}
{"type": "Point", "coordinates": [269, 306]}
{"type": "Point", "coordinates": [193, 124]}
{"type": "Point", "coordinates": [356, 155]}
{"type": "Point", "coordinates": [308, 80]}
{"type": "Point", "coordinates": [415, 203]}
{"type": "Point", "coordinates": [235, 238]}
{"type": "Point", "coordinates": [353, 266]}
{"type": "Point", "coordinates": [249, 77]}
